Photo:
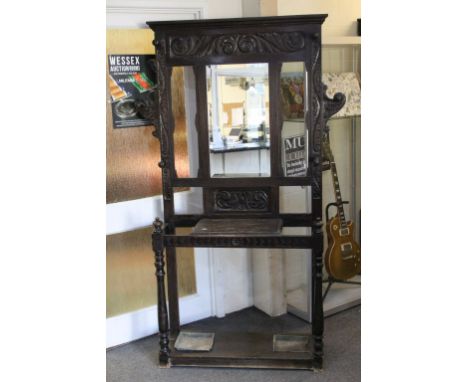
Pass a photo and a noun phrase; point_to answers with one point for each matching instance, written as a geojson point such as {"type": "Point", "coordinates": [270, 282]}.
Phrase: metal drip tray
{"type": "Point", "coordinates": [194, 341]}
{"type": "Point", "coordinates": [290, 343]}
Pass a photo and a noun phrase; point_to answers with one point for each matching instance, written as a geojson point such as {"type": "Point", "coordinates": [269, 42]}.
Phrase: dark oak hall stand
{"type": "Point", "coordinates": [237, 224]}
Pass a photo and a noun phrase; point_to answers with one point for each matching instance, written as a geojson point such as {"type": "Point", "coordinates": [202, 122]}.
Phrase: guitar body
{"type": "Point", "coordinates": [343, 255]}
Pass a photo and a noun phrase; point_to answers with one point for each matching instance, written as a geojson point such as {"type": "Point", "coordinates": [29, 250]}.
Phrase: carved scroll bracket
{"type": "Point", "coordinates": [146, 104]}
{"type": "Point", "coordinates": [332, 105]}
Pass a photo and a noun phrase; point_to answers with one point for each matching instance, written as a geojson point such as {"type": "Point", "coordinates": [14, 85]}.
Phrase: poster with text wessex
{"type": "Point", "coordinates": [131, 78]}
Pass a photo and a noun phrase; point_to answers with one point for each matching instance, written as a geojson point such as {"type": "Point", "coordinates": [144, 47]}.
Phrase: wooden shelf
{"type": "Point", "coordinates": [245, 339]}
{"type": "Point", "coordinates": [243, 227]}
{"type": "Point", "coordinates": [241, 349]}
{"type": "Point", "coordinates": [241, 345]}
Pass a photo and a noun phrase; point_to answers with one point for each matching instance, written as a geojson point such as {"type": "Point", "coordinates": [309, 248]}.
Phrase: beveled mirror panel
{"type": "Point", "coordinates": [294, 137]}
{"type": "Point", "coordinates": [183, 112]}
{"type": "Point", "coordinates": [239, 120]}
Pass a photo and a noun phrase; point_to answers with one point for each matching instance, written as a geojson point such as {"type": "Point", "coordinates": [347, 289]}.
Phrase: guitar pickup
{"type": "Point", "coordinates": [346, 251]}
{"type": "Point", "coordinates": [344, 231]}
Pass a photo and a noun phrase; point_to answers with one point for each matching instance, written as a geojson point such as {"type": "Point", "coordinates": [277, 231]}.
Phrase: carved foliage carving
{"type": "Point", "coordinates": [161, 128]}
{"type": "Point", "coordinates": [315, 121]}
{"type": "Point", "coordinates": [236, 44]}
{"type": "Point", "coordinates": [241, 200]}
{"type": "Point", "coordinates": [316, 101]}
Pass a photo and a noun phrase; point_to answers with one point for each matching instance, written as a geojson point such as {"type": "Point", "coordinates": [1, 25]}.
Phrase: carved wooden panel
{"type": "Point", "coordinates": [259, 201]}
{"type": "Point", "coordinates": [235, 44]}
{"type": "Point", "coordinates": [251, 200]}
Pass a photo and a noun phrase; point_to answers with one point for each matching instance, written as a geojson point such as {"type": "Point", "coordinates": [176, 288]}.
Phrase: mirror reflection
{"type": "Point", "coordinates": [294, 135]}
{"type": "Point", "coordinates": [239, 119]}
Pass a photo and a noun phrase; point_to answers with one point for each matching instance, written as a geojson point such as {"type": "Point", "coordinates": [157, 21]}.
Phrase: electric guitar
{"type": "Point", "coordinates": [343, 255]}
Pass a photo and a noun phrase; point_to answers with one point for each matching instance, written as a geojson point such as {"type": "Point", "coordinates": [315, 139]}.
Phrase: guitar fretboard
{"type": "Point", "coordinates": [336, 187]}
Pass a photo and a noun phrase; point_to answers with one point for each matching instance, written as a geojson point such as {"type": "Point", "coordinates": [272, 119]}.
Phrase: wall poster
{"type": "Point", "coordinates": [292, 93]}
{"type": "Point", "coordinates": [131, 78]}
{"type": "Point", "coordinates": [132, 151]}
{"type": "Point", "coordinates": [295, 155]}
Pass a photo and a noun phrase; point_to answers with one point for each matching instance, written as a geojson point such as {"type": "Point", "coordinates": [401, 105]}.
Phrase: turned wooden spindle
{"type": "Point", "coordinates": [158, 247]}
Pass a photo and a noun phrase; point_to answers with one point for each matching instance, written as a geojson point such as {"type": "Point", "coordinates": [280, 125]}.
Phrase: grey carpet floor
{"type": "Point", "coordinates": [138, 361]}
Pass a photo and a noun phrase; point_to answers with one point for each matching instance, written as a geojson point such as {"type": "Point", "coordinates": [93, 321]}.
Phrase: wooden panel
{"type": "Point", "coordinates": [243, 181]}
{"type": "Point", "coordinates": [238, 201]}
{"type": "Point", "coordinates": [130, 282]}
{"type": "Point", "coordinates": [133, 153]}
{"type": "Point", "coordinates": [289, 220]}
{"type": "Point", "coordinates": [246, 241]}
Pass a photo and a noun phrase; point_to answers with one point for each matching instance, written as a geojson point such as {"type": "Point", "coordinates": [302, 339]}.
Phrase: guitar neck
{"type": "Point", "coordinates": [336, 187]}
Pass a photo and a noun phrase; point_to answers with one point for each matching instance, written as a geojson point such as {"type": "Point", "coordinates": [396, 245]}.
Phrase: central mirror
{"type": "Point", "coordinates": [239, 120]}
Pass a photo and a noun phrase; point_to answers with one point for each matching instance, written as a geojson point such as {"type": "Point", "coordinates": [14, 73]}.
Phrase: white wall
{"type": "Point", "coordinates": [237, 278]}
{"type": "Point", "coordinates": [342, 14]}
{"type": "Point", "coordinates": [224, 9]}
{"type": "Point", "coordinates": [251, 8]}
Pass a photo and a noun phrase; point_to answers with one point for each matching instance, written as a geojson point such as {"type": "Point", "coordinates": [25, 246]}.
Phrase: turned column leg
{"type": "Point", "coordinates": [317, 301]}
{"type": "Point", "coordinates": [158, 248]}
{"type": "Point", "coordinates": [173, 293]}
